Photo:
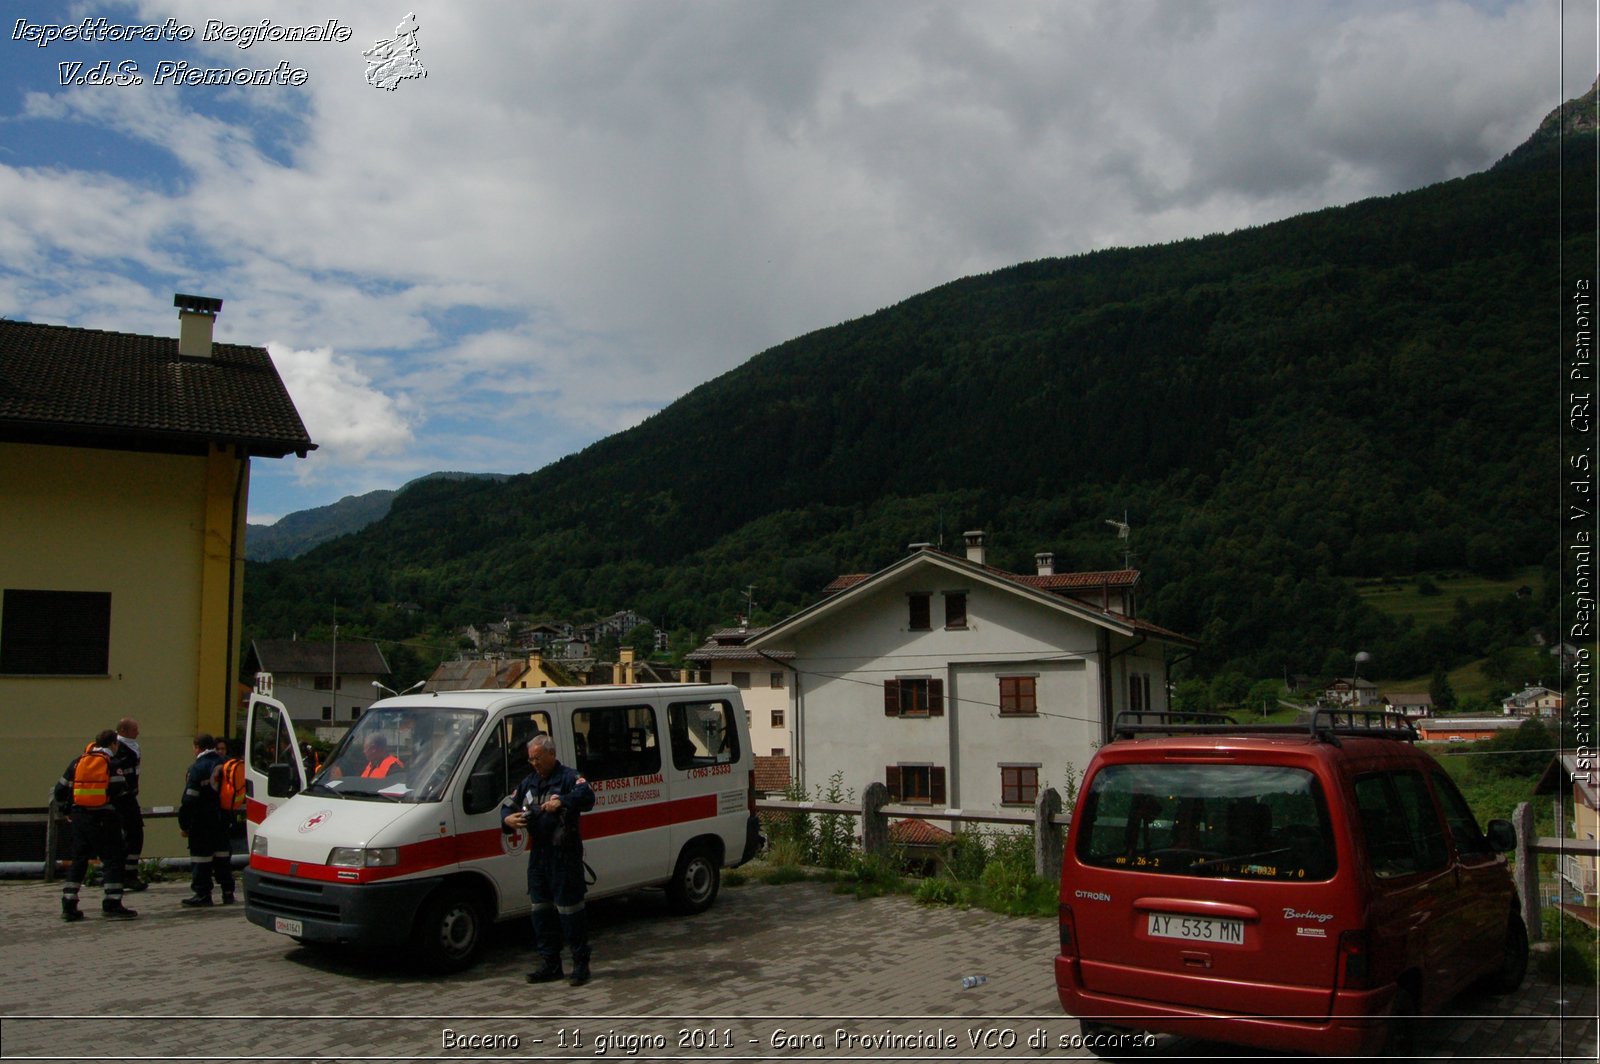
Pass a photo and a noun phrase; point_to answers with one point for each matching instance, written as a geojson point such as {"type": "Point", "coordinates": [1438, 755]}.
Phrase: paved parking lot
{"type": "Point", "coordinates": [791, 971]}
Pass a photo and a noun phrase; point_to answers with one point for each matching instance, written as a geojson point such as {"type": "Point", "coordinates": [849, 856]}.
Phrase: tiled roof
{"type": "Point", "coordinates": [918, 833]}
{"type": "Point", "coordinates": [68, 385]}
{"type": "Point", "coordinates": [476, 675]}
{"type": "Point", "coordinates": [318, 656]}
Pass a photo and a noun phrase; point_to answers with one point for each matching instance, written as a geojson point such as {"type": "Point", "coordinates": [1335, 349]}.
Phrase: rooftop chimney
{"type": "Point", "coordinates": [196, 316]}
{"type": "Point", "coordinates": [974, 546]}
{"type": "Point", "coordinates": [1046, 563]}
{"type": "Point", "coordinates": [919, 546]}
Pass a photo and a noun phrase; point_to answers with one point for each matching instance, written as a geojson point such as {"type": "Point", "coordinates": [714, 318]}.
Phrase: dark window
{"type": "Point", "coordinates": [913, 698]}
{"type": "Point", "coordinates": [327, 683]}
{"type": "Point", "coordinates": [1019, 784]}
{"type": "Point", "coordinates": [775, 680]}
{"type": "Point", "coordinates": [1224, 821]}
{"type": "Point", "coordinates": [1139, 692]}
{"type": "Point", "coordinates": [1017, 695]}
{"type": "Point", "coordinates": [955, 609]}
{"type": "Point", "coordinates": [741, 680]}
{"type": "Point", "coordinates": [1458, 816]}
{"type": "Point", "coordinates": [702, 733]}
{"type": "Point", "coordinates": [777, 718]}
{"type": "Point", "coordinates": [915, 784]}
{"type": "Point", "coordinates": [1402, 827]}
{"type": "Point", "coordinates": [921, 612]}
{"type": "Point", "coordinates": [55, 633]}
{"type": "Point", "coordinates": [615, 741]}
{"type": "Point", "coordinates": [503, 761]}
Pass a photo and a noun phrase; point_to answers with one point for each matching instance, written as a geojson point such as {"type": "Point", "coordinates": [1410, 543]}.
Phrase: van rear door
{"type": "Point", "coordinates": [274, 771]}
{"type": "Point", "coordinates": [1208, 884]}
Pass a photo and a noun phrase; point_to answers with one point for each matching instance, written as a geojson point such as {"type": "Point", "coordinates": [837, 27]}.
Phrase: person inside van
{"type": "Point", "coordinates": [380, 762]}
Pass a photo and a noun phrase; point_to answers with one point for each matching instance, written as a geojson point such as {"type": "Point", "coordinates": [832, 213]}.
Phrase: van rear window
{"type": "Point", "coordinates": [1232, 821]}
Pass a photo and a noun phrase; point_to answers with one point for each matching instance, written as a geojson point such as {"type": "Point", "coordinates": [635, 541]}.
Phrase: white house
{"type": "Point", "coordinates": [765, 682]}
{"type": "Point", "coordinates": [964, 686]}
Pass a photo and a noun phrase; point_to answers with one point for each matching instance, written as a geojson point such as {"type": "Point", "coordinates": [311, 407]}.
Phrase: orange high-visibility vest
{"type": "Point", "coordinates": [382, 768]}
{"type": "Point", "coordinates": [91, 779]}
{"type": "Point", "coordinates": [231, 789]}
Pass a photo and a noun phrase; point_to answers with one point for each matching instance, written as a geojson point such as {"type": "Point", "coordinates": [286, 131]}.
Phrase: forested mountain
{"type": "Point", "coordinates": [1362, 391]}
{"type": "Point", "coordinates": [298, 532]}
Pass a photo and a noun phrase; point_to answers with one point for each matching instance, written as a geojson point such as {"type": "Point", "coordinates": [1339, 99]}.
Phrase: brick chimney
{"type": "Point", "coordinates": [196, 317]}
{"type": "Point", "coordinates": [1046, 563]}
{"type": "Point", "coordinates": [975, 551]}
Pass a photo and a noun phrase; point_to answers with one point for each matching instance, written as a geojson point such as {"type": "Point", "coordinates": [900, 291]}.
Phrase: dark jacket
{"type": "Point", "coordinates": [551, 830]}
{"type": "Point", "coordinates": [201, 805]}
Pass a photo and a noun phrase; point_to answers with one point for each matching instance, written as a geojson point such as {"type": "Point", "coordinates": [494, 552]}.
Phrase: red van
{"type": "Point", "coordinates": [1294, 889]}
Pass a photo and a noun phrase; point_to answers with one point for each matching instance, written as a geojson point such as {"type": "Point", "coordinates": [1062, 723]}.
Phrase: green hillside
{"type": "Point", "coordinates": [1280, 412]}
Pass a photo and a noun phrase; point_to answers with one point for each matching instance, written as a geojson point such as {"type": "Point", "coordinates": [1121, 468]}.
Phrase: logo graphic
{"type": "Point", "coordinates": [315, 820]}
{"type": "Point", "coordinates": [389, 62]}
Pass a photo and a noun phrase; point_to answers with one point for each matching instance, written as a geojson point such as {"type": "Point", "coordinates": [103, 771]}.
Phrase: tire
{"type": "Point", "coordinates": [449, 930]}
{"type": "Point", "coordinates": [1513, 960]}
{"type": "Point", "coordinates": [1402, 1036]}
{"type": "Point", "coordinates": [695, 880]}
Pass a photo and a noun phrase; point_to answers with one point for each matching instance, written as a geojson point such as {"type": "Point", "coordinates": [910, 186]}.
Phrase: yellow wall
{"type": "Point", "coordinates": [156, 532]}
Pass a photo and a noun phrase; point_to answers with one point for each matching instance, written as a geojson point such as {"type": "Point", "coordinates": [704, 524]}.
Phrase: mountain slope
{"type": "Point", "coordinates": [1355, 392]}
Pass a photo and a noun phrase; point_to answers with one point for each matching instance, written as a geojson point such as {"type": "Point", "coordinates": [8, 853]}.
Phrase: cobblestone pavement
{"type": "Point", "coordinates": [793, 972]}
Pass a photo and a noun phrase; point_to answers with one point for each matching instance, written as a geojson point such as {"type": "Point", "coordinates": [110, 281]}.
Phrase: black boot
{"type": "Point", "coordinates": [70, 911]}
{"type": "Point", "coordinates": [548, 972]}
{"type": "Point", "coordinates": [117, 910]}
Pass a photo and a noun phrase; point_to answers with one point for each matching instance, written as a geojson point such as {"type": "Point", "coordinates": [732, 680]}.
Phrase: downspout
{"type": "Point", "coordinates": [235, 565]}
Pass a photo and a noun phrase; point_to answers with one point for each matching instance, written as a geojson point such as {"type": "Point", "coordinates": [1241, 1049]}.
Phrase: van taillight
{"type": "Point", "coordinates": [1069, 931]}
{"type": "Point", "coordinates": [750, 794]}
{"type": "Point", "coordinates": [1355, 960]}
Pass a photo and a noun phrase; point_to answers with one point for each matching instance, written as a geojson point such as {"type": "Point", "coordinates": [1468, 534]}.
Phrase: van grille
{"type": "Point", "coordinates": [292, 898]}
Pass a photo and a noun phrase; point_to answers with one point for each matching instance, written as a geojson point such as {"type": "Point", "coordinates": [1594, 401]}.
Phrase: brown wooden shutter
{"type": "Point", "coordinates": [891, 780]}
{"type": "Point", "coordinates": [935, 698]}
{"type": "Point", "coordinates": [936, 793]}
{"type": "Point", "coordinates": [891, 698]}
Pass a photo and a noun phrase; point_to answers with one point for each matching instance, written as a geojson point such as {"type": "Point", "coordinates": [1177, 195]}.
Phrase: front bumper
{"type": "Point", "coordinates": [367, 914]}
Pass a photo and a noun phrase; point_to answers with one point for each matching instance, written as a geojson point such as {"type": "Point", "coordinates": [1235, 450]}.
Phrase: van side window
{"type": "Point", "coordinates": [702, 733]}
{"type": "Point", "coordinates": [612, 742]}
{"type": "Point", "coordinates": [1458, 816]}
{"type": "Point", "coordinates": [503, 761]}
{"type": "Point", "coordinates": [1403, 832]}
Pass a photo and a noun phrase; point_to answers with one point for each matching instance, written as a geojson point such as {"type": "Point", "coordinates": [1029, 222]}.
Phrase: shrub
{"type": "Point", "coordinates": [939, 891]}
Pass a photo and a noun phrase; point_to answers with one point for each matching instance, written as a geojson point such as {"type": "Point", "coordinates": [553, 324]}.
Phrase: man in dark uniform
{"type": "Point", "coordinates": [546, 805]}
{"type": "Point", "coordinates": [91, 791]}
{"type": "Point", "coordinates": [201, 821]}
{"type": "Point", "coordinates": [125, 763]}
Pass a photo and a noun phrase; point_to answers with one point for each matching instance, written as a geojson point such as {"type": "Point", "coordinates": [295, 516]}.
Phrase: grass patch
{"type": "Point", "coordinates": [1574, 961]}
{"type": "Point", "coordinates": [1411, 597]}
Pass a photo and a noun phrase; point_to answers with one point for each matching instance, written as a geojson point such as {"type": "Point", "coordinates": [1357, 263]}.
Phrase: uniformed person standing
{"type": "Point", "coordinates": [546, 805]}
{"type": "Point", "coordinates": [91, 791]}
{"type": "Point", "coordinates": [201, 821]}
{"type": "Point", "coordinates": [125, 763]}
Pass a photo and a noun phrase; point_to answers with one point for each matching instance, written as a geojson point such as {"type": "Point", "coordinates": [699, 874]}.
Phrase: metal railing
{"type": "Point", "coordinates": [1529, 846]}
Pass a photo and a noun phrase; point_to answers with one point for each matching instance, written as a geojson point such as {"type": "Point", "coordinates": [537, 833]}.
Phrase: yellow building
{"type": "Point", "coordinates": [124, 479]}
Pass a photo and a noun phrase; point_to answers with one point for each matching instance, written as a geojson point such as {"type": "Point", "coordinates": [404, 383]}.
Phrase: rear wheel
{"type": "Point", "coordinates": [1513, 960]}
{"type": "Point", "coordinates": [1402, 1040]}
{"type": "Point", "coordinates": [695, 880]}
{"type": "Point", "coordinates": [449, 930]}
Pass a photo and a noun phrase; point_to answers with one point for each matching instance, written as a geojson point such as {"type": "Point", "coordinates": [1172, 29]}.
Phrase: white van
{"type": "Point", "coordinates": [420, 855]}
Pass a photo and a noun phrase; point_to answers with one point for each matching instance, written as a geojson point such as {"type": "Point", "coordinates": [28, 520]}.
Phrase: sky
{"type": "Point", "coordinates": [515, 228]}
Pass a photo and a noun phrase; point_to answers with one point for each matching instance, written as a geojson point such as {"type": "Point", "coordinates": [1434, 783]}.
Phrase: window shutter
{"type": "Point", "coordinates": [891, 698]}
{"type": "Point", "coordinates": [891, 780]}
{"type": "Point", "coordinates": [936, 785]}
{"type": "Point", "coordinates": [935, 698]}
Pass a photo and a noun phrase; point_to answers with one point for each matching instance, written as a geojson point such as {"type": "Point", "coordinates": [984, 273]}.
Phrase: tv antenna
{"type": "Point", "coordinates": [1123, 533]}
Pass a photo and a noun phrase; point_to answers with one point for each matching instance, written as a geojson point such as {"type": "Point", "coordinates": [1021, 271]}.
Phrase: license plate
{"type": "Point", "coordinates": [1197, 928]}
{"type": "Point", "coordinates": [287, 927]}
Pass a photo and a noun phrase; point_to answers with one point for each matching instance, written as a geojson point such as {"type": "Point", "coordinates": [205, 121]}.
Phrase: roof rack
{"type": "Point", "coordinates": [1325, 724]}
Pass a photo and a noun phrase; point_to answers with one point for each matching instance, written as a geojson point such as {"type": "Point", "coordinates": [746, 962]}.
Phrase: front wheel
{"type": "Point", "coordinates": [1513, 960]}
{"type": "Point", "coordinates": [695, 881]}
{"type": "Point", "coordinates": [449, 930]}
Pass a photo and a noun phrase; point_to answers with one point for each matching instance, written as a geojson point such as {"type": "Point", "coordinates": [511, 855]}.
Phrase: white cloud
{"type": "Point", "coordinates": [590, 206]}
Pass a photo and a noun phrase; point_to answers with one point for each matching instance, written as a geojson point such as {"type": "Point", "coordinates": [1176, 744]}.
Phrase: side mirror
{"type": "Point", "coordinates": [1502, 836]}
{"type": "Point", "coordinates": [280, 780]}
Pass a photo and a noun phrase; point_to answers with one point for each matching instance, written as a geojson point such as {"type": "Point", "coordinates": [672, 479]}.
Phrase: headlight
{"type": "Point", "coordinates": [357, 857]}
{"type": "Point", "coordinates": [258, 845]}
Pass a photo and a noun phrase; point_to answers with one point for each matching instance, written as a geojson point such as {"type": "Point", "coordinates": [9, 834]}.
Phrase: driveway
{"type": "Point", "coordinates": [791, 971]}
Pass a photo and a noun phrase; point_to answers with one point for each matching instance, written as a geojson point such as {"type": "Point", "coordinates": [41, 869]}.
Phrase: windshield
{"type": "Point", "coordinates": [1237, 821]}
{"type": "Point", "coordinates": [399, 754]}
